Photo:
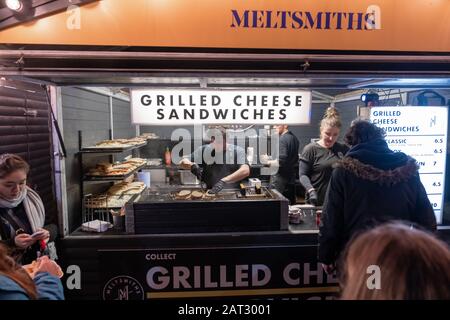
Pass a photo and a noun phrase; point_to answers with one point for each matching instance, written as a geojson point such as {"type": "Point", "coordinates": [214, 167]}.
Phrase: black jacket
{"type": "Point", "coordinates": [372, 184]}
{"type": "Point", "coordinates": [288, 157]}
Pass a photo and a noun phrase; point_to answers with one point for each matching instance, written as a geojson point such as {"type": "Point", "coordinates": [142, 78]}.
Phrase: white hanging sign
{"type": "Point", "coordinates": [189, 107]}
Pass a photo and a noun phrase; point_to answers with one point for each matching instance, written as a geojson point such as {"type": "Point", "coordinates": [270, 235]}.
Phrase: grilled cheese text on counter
{"type": "Point", "coordinates": [160, 256]}
{"type": "Point", "coordinates": [235, 276]}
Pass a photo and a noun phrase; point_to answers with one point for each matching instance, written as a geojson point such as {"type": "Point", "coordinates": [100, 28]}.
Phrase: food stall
{"type": "Point", "coordinates": [163, 238]}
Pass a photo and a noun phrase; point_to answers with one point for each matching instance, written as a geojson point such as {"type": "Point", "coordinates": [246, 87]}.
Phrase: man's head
{"type": "Point", "coordinates": [219, 137]}
{"type": "Point", "coordinates": [280, 128]}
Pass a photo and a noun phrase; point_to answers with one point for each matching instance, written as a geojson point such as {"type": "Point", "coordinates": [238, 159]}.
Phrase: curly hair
{"type": "Point", "coordinates": [363, 131]}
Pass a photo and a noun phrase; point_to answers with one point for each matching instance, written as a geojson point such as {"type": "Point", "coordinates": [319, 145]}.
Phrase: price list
{"type": "Point", "coordinates": [420, 132]}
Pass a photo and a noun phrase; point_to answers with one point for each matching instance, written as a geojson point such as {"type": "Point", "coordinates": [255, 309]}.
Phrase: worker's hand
{"type": "Point", "coordinates": [185, 163]}
{"type": "Point", "coordinates": [313, 197]}
{"type": "Point", "coordinates": [217, 187]}
{"type": "Point", "coordinates": [196, 171]}
{"type": "Point", "coordinates": [264, 159]}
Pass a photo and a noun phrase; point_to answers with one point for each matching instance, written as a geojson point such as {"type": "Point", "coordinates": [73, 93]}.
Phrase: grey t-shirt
{"type": "Point", "coordinates": [320, 162]}
{"type": "Point", "coordinates": [216, 167]}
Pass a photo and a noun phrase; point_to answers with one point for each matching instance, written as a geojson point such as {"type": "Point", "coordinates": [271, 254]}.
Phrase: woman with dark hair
{"type": "Point", "coordinates": [370, 185]}
{"type": "Point", "coordinates": [413, 265]}
{"type": "Point", "coordinates": [22, 213]}
{"type": "Point", "coordinates": [17, 284]}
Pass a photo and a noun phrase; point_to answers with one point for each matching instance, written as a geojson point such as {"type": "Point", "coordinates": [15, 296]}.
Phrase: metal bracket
{"type": "Point", "coordinates": [305, 65]}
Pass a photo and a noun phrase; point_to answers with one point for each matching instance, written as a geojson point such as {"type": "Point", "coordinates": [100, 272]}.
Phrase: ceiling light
{"type": "Point", "coordinates": [15, 5]}
{"type": "Point", "coordinates": [370, 99]}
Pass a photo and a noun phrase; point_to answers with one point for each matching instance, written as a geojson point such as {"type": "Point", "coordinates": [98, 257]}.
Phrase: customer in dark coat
{"type": "Point", "coordinates": [372, 184]}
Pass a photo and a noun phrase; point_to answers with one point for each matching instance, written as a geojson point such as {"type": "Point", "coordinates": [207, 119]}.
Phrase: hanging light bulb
{"type": "Point", "coordinates": [15, 5]}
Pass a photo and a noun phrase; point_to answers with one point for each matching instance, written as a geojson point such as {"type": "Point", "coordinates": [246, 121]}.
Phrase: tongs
{"type": "Point", "coordinates": [203, 186]}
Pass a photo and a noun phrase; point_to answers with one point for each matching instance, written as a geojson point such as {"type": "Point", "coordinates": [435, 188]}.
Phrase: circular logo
{"type": "Point", "coordinates": [123, 288]}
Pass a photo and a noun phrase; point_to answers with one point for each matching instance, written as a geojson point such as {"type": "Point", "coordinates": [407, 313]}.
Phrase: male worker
{"type": "Point", "coordinates": [220, 165]}
{"type": "Point", "coordinates": [287, 162]}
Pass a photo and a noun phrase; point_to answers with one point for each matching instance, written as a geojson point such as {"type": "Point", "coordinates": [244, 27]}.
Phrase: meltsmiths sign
{"type": "Point", "coordinates": [189, 107]}
{"type": "Point", "coordinates": [383, 25]}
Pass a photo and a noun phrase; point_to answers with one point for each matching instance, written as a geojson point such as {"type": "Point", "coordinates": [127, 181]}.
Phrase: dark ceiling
{"type": "Point", "coordinates": [119, 66]}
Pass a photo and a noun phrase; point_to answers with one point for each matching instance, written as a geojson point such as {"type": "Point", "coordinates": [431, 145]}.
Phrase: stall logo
{"type": "Point", "coordinates": [304, 20]}
{"type": "Point", "coordinates": [123, 288]}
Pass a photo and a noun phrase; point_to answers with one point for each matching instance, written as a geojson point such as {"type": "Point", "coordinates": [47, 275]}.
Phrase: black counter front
{"type": "Point", "coordinates": [264, 264]}
{"type": "Point", "coordinates": [272, 264]}
{"type": "Point", "coordinates": [228, 246]}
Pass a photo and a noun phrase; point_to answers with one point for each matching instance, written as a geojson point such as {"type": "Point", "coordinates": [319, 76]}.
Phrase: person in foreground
{"type": "Point", "coordinates": [42, 283]}
{"type": "Point", "coordinates": [403, 263]}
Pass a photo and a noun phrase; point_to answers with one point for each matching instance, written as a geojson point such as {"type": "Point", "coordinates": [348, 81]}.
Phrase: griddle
{"type": "Point", "coordinates": [224, 195]}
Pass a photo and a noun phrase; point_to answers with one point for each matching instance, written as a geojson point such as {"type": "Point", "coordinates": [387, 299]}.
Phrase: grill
{"type": "Point", "coordinates": [229, 211]}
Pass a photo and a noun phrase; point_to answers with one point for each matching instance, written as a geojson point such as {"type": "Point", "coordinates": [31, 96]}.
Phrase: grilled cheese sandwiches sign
{"type": "Point", "coordinates": [189, 107]}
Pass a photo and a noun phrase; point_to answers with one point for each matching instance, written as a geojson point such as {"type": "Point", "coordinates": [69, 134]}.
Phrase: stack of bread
{"type": "Point", "coordinates": [149, 135]}
{"type": "Point", "coordinates": [116, 196]}
{"type": "Point", "coordinates": [121, 143]}
{"type": "Point", "coordinates": [109, 169]}
{"type": "Point", "coordinates": [135, 161]}
{"type": "Point", "coordinates": [116, 143]}
{"type": "Point", "coordinates": [135, 141]}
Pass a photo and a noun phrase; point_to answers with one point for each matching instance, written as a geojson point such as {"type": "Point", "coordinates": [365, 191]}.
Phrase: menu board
{"type": "Point", "coordinates": [420, 132]}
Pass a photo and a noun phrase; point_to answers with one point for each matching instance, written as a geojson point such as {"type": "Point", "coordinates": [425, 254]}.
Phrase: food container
{"type": "Point", "coordinates": [154, 162]}
{"type": "Point", "coordinates": [254, 182]}
{"type": "Point", "coordinates": [157, 175]}
{"type": "Point", "coordinates": [186, 177]}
